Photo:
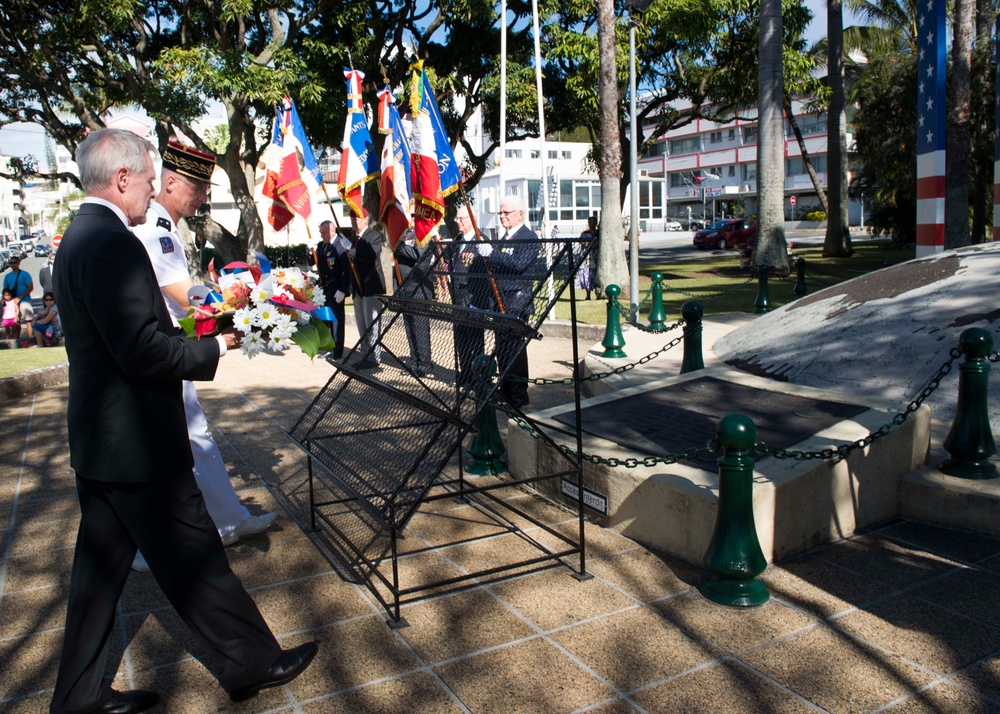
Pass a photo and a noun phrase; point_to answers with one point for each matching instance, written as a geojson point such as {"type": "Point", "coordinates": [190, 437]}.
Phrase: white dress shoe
{"type": "Point", "coordinates": [253, 524]}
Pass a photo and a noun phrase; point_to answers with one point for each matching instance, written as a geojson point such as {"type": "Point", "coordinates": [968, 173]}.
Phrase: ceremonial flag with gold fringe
{"type": "Point", "coordinates": [394, 209]}
{"type": "Point", "coordinates": [434, 173]}
{"type": "Point", "coordinates": [358, 161]}
{"type": "Point", "coordinates": [292, 173]}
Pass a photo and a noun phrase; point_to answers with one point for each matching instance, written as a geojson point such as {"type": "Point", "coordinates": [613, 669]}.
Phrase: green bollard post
{"type": "Point", "coordinates": [763, 302]}
{"type": "Point", "coordinates": [692, 312]}
{"type": "Point", "coordinates": [970, 440]}
{"type": "Point", "coordinates": [613, 339]}
{"type": "Point", "coordinates": [657, 315]}
{"type": "Point", "coordinates": [734, 555]}
{"type": "Point", "coordinates": [487, 447]}
{"type": "Point", "coordinates": [800, 277]}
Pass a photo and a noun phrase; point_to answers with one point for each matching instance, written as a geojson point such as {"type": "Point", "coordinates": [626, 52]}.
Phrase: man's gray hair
{"type": "Point", "coordinates": [515, 202]}
{"type": "Point", "coordinates": [105, 151]}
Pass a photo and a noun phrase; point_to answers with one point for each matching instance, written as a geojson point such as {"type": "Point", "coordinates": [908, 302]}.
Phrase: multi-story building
{"type": "Point", "coordinates": [710, 167]}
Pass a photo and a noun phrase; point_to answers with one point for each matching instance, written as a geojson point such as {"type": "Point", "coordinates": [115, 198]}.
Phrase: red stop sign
{"type": "Point", "coordinates": [56, 240]}
{"type": "Point", "coordinates": [792, 200]}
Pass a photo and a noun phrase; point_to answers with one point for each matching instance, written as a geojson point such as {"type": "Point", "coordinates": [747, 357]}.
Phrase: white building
{"type": "Point", "coordinates": [705, 162]}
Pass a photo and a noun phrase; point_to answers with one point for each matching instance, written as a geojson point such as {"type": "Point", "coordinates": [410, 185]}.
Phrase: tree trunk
{"type": "Point", "coordinates": [611, 268]}
{"type": "Point", "coordinates": [838, 231]}
{"type": "Point", "coordinates": [981, 122]}
{"type": "Point", "coordinates": [806, 160]}
{"type": "Point", "coordinates": [956, 200]}
{"type": "Point", "coordinates": [771, 249]}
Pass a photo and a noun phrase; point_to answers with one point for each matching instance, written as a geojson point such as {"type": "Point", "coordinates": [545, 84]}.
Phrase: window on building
{"type": "Point", "coordinates": [732, 170]}
{"type": "Point", "coordinates": [582, 196]}
{"type": "Point", "coordinates": [732, 135]}
{"type": "Point", "coordinates": [749, 172]}
{"type": "Point", "coordinates": [749, 135]}
{"type": "Point", "coordinates": [688, 145]}
{"type": "Point", "coordinates": [566, 195]}
{"type": "Point", "coordinates": [715, 137]}
{"type": "Point", "coordinates": [567, 154]}
{"type": "Point", "coordinates": [657, 149]}
{"type": "Point", "coordinates": [595, 197]}
{"type": "Point", "coordinates": [553, 154]}
{"type": "Point", "coordinates": [513, 153]}
{"type": "Point", "coordinates": [535, 153]}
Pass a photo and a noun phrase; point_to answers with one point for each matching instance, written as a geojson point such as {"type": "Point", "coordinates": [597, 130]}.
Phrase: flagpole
{"type": "Point", "coordinates": [502, 163]}
{"type": "Point", "coordinates": [542, 153]}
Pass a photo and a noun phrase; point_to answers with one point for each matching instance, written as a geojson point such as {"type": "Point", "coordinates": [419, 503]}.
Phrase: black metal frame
{"type": "Point", "coordinates": [368, 552]}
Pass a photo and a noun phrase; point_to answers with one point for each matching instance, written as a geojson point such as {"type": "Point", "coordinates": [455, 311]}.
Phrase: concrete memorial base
{"type": "Point", "coordinates": [797, 504]}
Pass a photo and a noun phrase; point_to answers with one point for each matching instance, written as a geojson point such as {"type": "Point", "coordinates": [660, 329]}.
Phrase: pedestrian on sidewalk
{"type": "Point", "coordinates": [129, 448]}
{"type": "Point", "coordinates": [184, 185]}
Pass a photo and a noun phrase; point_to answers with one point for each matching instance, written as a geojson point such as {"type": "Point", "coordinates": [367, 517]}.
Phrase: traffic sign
{"type": "Point", "coordinates": [792, 200]}
{"type": "Point", "coordinates": [56, 240]}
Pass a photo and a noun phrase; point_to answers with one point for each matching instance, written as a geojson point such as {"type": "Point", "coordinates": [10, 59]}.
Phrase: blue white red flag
{"type": "Point", "coordinates": [394, 209]}
{"type": "Point", "coordinates": [931, 137]}
{"type": "Point", "coordinates": [292, 172]}
{"type": "Point", "coordinates": [358, 160]}
{"type": "Point", "coordinates": [435, 173]}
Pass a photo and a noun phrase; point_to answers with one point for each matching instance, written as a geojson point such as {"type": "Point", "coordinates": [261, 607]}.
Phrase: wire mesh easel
{"type": "Point", "coordinates": [387, 423]}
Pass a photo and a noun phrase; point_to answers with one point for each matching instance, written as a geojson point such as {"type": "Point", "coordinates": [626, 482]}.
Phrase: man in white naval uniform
{"type": "Point", "coordinates": [184, 185]}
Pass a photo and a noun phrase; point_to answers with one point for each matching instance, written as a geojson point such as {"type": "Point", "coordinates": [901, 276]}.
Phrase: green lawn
{"type": "Point", "coordinates": [21, 360]}
{"type": "Point", "coordinates": [722, 287]}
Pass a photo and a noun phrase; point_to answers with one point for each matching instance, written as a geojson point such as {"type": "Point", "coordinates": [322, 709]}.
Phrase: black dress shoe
{"type": "Point", "coordinates": [133, 702]}
{"type": "Point", "coordinates": [289, 665]}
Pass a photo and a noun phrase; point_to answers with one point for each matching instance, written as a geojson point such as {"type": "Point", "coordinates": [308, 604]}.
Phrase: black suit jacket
{"type": "Point", "coordinates": [334, 269]}
{"type": "Point", "coordinates": [513, 258]}
{"type": "Point", "coordinates": [126, 360]}
{"type": "Point", "coordinates": [367, 262]}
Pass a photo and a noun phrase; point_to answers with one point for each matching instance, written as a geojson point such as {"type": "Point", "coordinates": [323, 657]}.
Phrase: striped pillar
{"type": "Point", "coordinates": [996, 143]}
{"type": "Point", "coordinates": [931, 43]}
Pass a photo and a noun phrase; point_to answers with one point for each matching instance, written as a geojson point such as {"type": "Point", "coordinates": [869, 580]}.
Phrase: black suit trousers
{"type": "Point", "coordinates": [168, 521]}
{"type": "Point", "coordinates": [338, 312]}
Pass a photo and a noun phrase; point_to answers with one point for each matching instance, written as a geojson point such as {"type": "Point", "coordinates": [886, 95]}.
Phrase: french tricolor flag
{"type": "Point", "coordinates": [931, 138]}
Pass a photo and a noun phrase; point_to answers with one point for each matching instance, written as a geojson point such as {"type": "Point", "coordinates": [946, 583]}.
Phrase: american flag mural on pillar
{"type": "Point", "coordinates": [996, 141]}
{"type": "Point", "coordinates": [931, 42]}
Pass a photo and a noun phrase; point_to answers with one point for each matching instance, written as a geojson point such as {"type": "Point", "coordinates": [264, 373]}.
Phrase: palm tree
{"type": "Point", "coordinates": [611, 260]}
{"type": "Point", "coordinates": [771, 249]}
{"type": "Point", "coordinates": [838, 232]}
{"type": "Point", "coordinates": [956, 198]}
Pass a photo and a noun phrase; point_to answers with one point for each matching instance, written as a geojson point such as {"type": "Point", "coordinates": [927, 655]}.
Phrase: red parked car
{"type": "Point", "coordinates": [730, 233]}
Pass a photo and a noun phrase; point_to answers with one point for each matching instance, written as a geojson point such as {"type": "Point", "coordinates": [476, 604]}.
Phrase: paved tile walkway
{"type": "Point", "coordinates": [903, 618]}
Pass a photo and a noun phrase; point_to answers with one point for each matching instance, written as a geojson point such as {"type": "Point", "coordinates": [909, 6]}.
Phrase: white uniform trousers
{"type": "Point", "coordinates": [210, 473]}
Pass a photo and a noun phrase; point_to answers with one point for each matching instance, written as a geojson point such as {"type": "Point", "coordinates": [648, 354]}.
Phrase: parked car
{"type": "Point", "coordinates": [42, 250]}
{"type": "Point", "coordinates": [730, 233]}
{"type": "Point", "coordinates": [672, 225]}
{"type": "Point", "coordinates": [4, 258]}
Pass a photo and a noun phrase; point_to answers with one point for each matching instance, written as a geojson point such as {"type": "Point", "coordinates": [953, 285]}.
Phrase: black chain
{"type": "Point", "coordinates": [694, 452]}
{"type": "Point", "coordinates": [993, 356]}
{"type": "Point", "coordinates": [841, 451]}
{"type": "Point", "coordinates": [603, 375]}
{"type": "Point", "coordinates": [630, 316]}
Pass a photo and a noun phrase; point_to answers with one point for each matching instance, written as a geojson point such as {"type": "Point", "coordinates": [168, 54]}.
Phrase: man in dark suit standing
{"type": "Point", "coordinates": [129, 448]}
{"type": "Point", "coordinates": [418, 287]}
{"type": "Point", "coordinates": [367, 257]}
{"type": "Point", "coordinates": [507, 263]}
{"type": "Point", "coordinates": [334, 268]}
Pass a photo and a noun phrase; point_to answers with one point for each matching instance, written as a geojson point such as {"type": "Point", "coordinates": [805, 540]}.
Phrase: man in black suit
{"type": "Point", "coordinates": [418, 287]}
{"type": "Point", "coordinates": [129, 448]}
{"type": "Point", "coordinates": [507, 263]}
{"type": "Point", "coordinates": [334, 268]}
{"type": "Point", "coordinates": [367, 258]}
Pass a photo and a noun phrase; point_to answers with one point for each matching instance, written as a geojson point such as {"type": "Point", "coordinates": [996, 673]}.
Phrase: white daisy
{"type": "Point", "coordinates": [245, 319]}
{"type": "Point", "coordinates": [278, 344]}
{"type": "Point", "coordinates": [318, 296]}
{"type": "Point", "coordinates": [262, 291]}
{"type": "Point", "coordinates": [252, 344]}
{"type": "Point", "coordinates": [266, 315]}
